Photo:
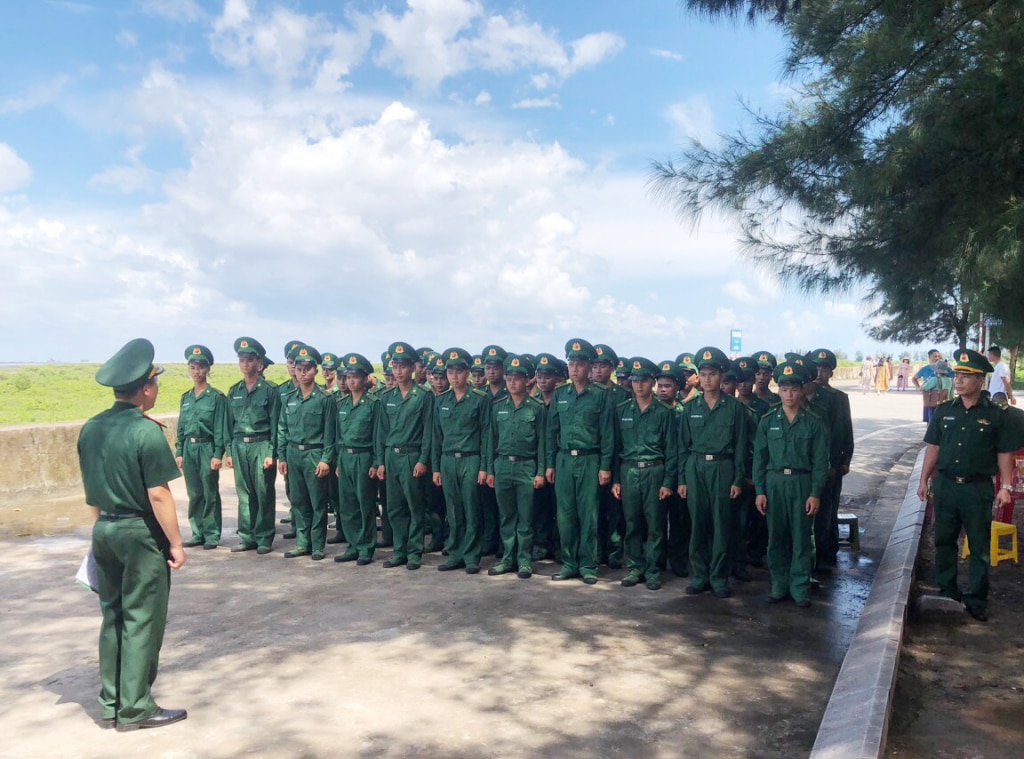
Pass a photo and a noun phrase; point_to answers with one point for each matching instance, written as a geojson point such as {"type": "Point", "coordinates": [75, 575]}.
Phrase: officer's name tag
{"type": "Point", "coordinates": [627, 419]}
{"type": "Point", "coordinates": [445, 408]}
{"type": "Point", "coordinates": [696, 416]}
{"type": "Point", "coordinates": [503, 413]}
{"type": "Point", "coordinates": [774, 429]}
{"type": "Point", "coordinates": [563, 403]}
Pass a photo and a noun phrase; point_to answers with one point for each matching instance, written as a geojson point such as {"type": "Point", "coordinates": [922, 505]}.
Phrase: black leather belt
{"type": "Point", "coordinates": [583, 451]}
{"type": "Point", "coordinates": [643, 464]}
{"type": "Point", "coordinates": [106, 516]}
{"type": "Point", "coordinates": [357, 450]}
{"type": "Point", "coordinates": [967, 478]}
{"type": "Point", "coordinates": [515, 459]}
{"type": "Point", "coordinates": [253, 438]}
{"type": "Point", "coordinates": [789, 471]}
{"type": "Point", "coordinates": [462, 454]}
{"type": "Point", "coordinates": [404, 449]}
{"type": "Point", "coordinates": [200, 439]}
{"type": "Point", "coordinates": [307, 446]}
{"type": "Point", "coordinates": [712, 456]}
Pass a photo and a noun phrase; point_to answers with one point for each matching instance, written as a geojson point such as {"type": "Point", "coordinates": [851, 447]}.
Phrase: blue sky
{"type": "Point", "coordinates": [446, 172]}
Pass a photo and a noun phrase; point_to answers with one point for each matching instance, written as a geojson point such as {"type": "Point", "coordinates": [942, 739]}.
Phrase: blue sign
{"type": "Point", "coordinates": [736, 342]}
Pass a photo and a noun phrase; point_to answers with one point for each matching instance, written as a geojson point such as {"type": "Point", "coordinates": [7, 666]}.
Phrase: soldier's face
{"type": "Point", "coordinates": [248, 364]}
{"type": "Point", "coordinates": [438, 382]}
{"type": "Point", "coordinates": [494, 372]}
{"type": "Point", "coordinates": [579, 370]}
{"type": "Point", "coordinates": [728, 386]}
{"type": "Point", "coordinates": [824, 374]}
{"type": "Point", "coordinates": [390, 381]}
{"type": "Point", "coordinates": [402, 371]}
{"type": "Point", "coordinates": [458, 378]}
{"type": "Point", "coordinates": [763, 375]}
{"type": "Point", "coordinates": [516, 383]}
{"type": "Point", "coordinates": [791, 394]}
{"type": "Point", "coordinates": [198, 371]}
{"type": "Point", "coordinates": [667, 389]}
{"type": "Point", "coordinates": [305, 373]}
{"type": "Point", "coordinates": [355, 382]}
{"type": "Point", "coordinates": [601, 372]}
{"type": "Point", "coordinates": [546, 381]}
{"type": "Point", "coordinates": [330, 374]}
{"type": "Point", "coordinates": [642, 387]}
{"type": "Point", "coordinates": [710, 379]}
{"type": "Point", "coordinates": [479, 379]}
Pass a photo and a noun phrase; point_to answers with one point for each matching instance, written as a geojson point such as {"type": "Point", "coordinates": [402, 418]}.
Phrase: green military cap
{"type": "Point", "coordinates": [494, 353]}
{"type": "Point", "coordinates": [386, 368]}
{"type": "Point", "coordinates": [438, 364]}
{"type": "Point", "coordinates": [563, 369]}
{"type": "Point", "coordinates": [304, 354]}
{"type": "Point", "coordinates": [732, 372]}
{"type": "Point", "coordinates": [602, 353]}
{"type": "Point", "coordinates": [518, 365]}
{"type": "Point", "coordinates": [266, 360]}
{"type": "Point", "coordinates": [329, 360]}
{"type": "Point", "coordinates": [621, 370]}
{"type": "Point", "coordinates": [746, 368]}
{"type": "Point", "coordinates": [685, 362]}
{"type": "Point", "coordinates": [430, 359]}
{"type": "Point", "coordinates": [823, 356]}
{"type": "Point", "coordinates": [385, 357]}
{"type": "Point", "coordinates": [476, 365]}
{"type": "Point", "coordinates": [765, 359]}
{"type": "Point", "coordinates": [711, 356]}
{"type": "Point", "coordinates": [403, 352]}
{"type": "Point", "coordinates": [790, 372]}
{"type": "Point", "coordinates": [533, 358]}
{"type": "Point", "coordinates": [640, 367]}
{"type": "Point", "coordinates": [669, 370]}
{"type": "Point", "coordinates": [424, 353]}
{"type": "Point", "coordinates": [248, 345]}
{"type": "Point", "coordinates": [291, 345]}
{"type": "Point", "coordinates": [546, 364]}
{"type": "Point", "coordinates": [457, 358]}
{"type": "Point", "coordinates": [579, 350]}
{"type": "Point", "coordinates": [972, 362]}
{"type": "Point", "coordinates": [130, 366]}
{"type": "Point", "coordinates": [355, 363]}
{"type": "Point", "coordinates": [199, 353]}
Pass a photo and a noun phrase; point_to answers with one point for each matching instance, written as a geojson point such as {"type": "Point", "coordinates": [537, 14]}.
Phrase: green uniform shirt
{"type": "Point", "coordinates": [969, 439]}
{"type": "Point", "coordinates": [719, 431]}
{"type": "Point", "coordinates": [827, 404]}
{"type": "Point", "coordinates": [801, 444]}
{"type": "Point", "coordinates": [460, 426]}
{"type": "Point", "coordinates": [581, 422]}
{"type": "Point", "coordinates": [519, 431]}
{"type": "Point", "coordinates": [307, 421]}
{"type": "Point", "coordinates": [204, 417]}
{"type": "Point", "coordinates": [122, 454]}
{"type": "Point", "coordinates": [618, 393]}
{"type": "Point", "coordinates": [842, 441]}
{"type": "Point", "coordinates": [356, 423]}
{"type": "Point", "coordinates": [647, 435]}
{"type": "Point", "coordinates": [405, 422]}
{"type": "Point", "coordinates": [254, 412]}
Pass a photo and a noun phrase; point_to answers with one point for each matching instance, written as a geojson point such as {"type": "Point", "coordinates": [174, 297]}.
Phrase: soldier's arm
{"type": "Point", "coordinates": [740, 443]}
{"type": "Point", "coordinates": [819, 463]}
{"type": "Point", "coordinates": [542, 439]}
{"type": "Point", "coordinates": [221, 430]}
{"type": "Point", "coordinates": [608, 433]}
{"type": "Point", "coordinates": [274, 411]}
{"type": "Point", "coordinates": [761, 457]}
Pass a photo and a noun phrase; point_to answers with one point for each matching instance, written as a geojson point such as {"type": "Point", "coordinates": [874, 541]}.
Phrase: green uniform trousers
{"type": "Point", "coordinates": [513, 489]}
{"type": "Point", "coordinates": [711, 520]}
{"type": "Point", "coordinates": [203, 486]}
{"type": "Point", "coordinates": [310, 499]}
{"type": "Point", "coordinates": [406, 505]}
{"type": "Point", "coordinates": [677, 543]}
{"type": "Point", "coordinates": [968, 506]}
{"type": "Point", "coordinates": [790, 535]}
{"type": "Point", "coordinates": [334, 502]}
{"type": "Point", "coordinates": [387, 537]}
{"type": "Point", "coordinates": [545, 528]}
{"type": "Point", "coordinates": [826, 526]}
{"type": "Point", "coordinates": [357, 499]}
{"type": "Point", "coordinates": [578, 495]}
{"type": "Point", "coordinates": [255, 487]}
{"type": "Point", "coordinates": [490, 522]}
{"type": "Point", "coordinates": [462, 496]}
{"type": "Point", "coordinates": [738, 531]}
{"type": "Point", "coordinates": [134, 585]}
{"type": "Point", "coordinates": [644, 513]}
{"type": "Point", "coordinates": [611, 526]}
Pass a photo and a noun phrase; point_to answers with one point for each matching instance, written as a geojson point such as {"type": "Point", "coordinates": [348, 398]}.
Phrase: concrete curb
{"type": "Point", "coordinates": [856, 718]}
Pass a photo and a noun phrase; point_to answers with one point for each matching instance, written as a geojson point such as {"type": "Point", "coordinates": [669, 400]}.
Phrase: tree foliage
{"type": "Point", "coordinates": [897, 163]}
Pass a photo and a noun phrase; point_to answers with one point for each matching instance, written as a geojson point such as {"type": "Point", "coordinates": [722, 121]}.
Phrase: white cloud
{"type": "Point", "coordinates": [738, 291]}
{"type": "Point", "coordinates": [666, 54]}
{"type": "Point", "coordinates": [14, 170]}
{"type": "Point", "coordinates": [127, 39]}
{"type": "Point", "coordinates": [133, 177]}
{"type": "Point", "coordinates": [174, 10]}
{"type": "Point", "coordinates": [549, 102]}
{"type": "Point", "coordinates": [482, 98]}
{"type": "Point", "coordinates": [591, 50]}
{"type": "Point", "coordinates": [692, 119]}
{"type": "Point", "coordinates": [35, 96]}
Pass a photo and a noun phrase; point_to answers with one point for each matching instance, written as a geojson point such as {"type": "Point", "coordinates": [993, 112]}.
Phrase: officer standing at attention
{"type": "Point", "coordinates": [126, 465]}
{"type": "Point", "coordinates": [712, 447]}
{"type": "Point", "coordinates": [790, 469]}
{"type": "Point", "coordinates": [515, 465]}
{"type": "Point", "coordinates": [202, 438]}
{"type": "Point", "coordinates": [581, 445]}
{"type": "Point", "coordinates": [462, 426]}
{"type": "Point", "coordinates": [493, 357]}
{"type": "Point", "coordinates": [305, 450]}
{"type": "Point", "coordinates": [403, 444]}
{"type": "Point", "coordinates": [676, 555]}
{"type": "Point", "coordinates": [254, 406]}
{"type": "Point", "coordinates": [355, 422]}
{"type": "Point", "coordinates": [645, 475]}
{"type": "Point", "coordinates": [766, 363]}
{"type": "Point", "coordinates": [611, 524]}
{"type": "Point", "coordinates": [548, 372]}
{"type": "Point", "coordinates": [969, 439]}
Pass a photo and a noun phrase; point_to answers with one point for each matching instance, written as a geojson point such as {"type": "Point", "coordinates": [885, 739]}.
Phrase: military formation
{"type": "Point", "coordinates": [692, 465]}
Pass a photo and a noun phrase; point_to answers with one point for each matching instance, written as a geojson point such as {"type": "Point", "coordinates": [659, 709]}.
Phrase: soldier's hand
{"type": "Point", "coordinates": [229, 462]}
{"type": "Point", "coordinates": [178, 460]}
{"type": "Point", "coordinates": [604, 477]}
{"type": "Point", "coordinates": [538, 482]}
{"type": "Point", "coordinates": [549, 475]}
{"type": "Point", "coordinates": [844, 470]}
{"type": "Point", "coordinates": [813, 504]}
{"type": "Point", "coordinates": [682, 491]}
{"type": "Point", "coordinates": [437, 479]}
{"type": "Point", "coordinates": [735, 491]}
{"type": "Point", "coordinates": [1003, 497]}
{"type": "Point", "coordinates": [419, 470]}
{"type": "Point", "coordinates": [323, 469]}
{"type": "Point", "coordinates": [215, 465]}
{"type": "Point", "coordinates": [283, 468]}
{"type": "Point", "coordinates": [490, 481]}
{"type": "Point", "coordinates": [922, 491]}
{"type": "Point", "coordinates": [177, 557]}
{"type": "Point", "coordinates": [380, 472]}
{"type": "Point", "coordinates": [372, 473]}
{"type": "Point", "coordinates": [761, 502]}
{"type": "Point", "coordinates": [617, 491]}
{"type": "Point", "coordinates": [481, 479]}
{"type": "Point", "coordinates": [664, 493]}
{"type": "Point", "coordinates": [268, 462]}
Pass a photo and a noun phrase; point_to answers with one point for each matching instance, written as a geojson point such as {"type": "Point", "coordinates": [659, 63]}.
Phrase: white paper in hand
{"type": "Point", "coordinates": [87, 575]}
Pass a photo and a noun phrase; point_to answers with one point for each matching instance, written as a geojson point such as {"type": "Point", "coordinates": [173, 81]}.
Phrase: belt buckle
{"type": "Point", "coordinates": [787, 470]}
{"type": "Point", "coordinates": [396, 450]}
{"type": "Point", "coordinates": [642, 465]}
{"type": "Point", "coordinates": [574, 452]}
{"type": "Point", "coordinates": [960, 480]}
{"type": "Point", "coordinates": [709, 457]}
{"type": "Point", "coordinates": [458, 455]}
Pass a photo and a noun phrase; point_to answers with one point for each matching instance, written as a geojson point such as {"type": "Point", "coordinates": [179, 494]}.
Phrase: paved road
{"type": "Point", "coordinates": [303, 659]}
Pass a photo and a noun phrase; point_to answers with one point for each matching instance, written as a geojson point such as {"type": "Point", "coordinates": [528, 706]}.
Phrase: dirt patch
{"type": "Point", "coordinates": [960, 688]}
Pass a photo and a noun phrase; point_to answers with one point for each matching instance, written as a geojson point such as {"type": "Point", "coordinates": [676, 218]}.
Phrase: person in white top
{"type": "Point", "coordinates": [1000, 381]}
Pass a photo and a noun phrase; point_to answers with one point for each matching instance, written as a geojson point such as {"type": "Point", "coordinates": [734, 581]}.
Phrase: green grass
{"type": "Point", "coordinates": [68, 392]}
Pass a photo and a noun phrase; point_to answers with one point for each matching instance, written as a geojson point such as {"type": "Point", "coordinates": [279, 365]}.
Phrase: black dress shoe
{"type": "Point", "coordinates": [343, 557]}
{"type": "Point", "coordinates": [159, 718]}
{"type": "Point", "coordinates": [107, 723]}
{"type": "Point", "coordinates": [209, 546]}
{"type": "Point", "coordinates": [696, 590]}
{"type": "Point", "coordinates": [264, 550]}
{"type": "Point", "coordinates": [450, 567]}
{"type": "Point", "coordinates": [286, 520]}
{"type": "Point", "coordinates": [412, 566]}
{"type": "Point", "coordinates": [590, 580]}
{"type": "Point", "coordinates": [335, 539]}
{"type": "Point", "coordinates": [803, 603]}
{"type": "Point", "coordinates": [614, 564]}
{"type": "Point", "coordinates": [363, 561]}
{"type": "Point", "coordinates": [193, 542]}
{"type": "Point", "coordinates": [741, 573]}
{"type": "Point", "coordinates": [978, 612]}
{"type": "Point", "coordinates": [653, 585]}
{"type": "Point", "coordinates": [723, 593]}
{"type": "Point", "coordinates": [318, 556]}
{"type": "Point", "coordinates": [393, 563]}
{"type": "Point", "coordinates": [296, 552]}
{"type": "Point", "coordinates": [242, 547]}
{"type": "Point", "coordinates": [472, 570]}
{"type": "Point", "coordinates": [775, 599]}
{"type": "Point", "coordinates": [290, 535]}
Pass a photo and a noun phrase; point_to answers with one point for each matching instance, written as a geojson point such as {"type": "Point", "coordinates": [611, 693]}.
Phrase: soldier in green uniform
{"type": "Point", "coordinates": [333, 386]}
{"type": "Point", "coordinates": [622, 376]}
{"type": "Point", "coordinates": [305, 449]}
{"type": "Point", "coordinates": [644, 478]}
{"type": "Point", "coordinates": [581, 444]}
{"type": "Point", "coordinates": [676, 554]}
{"type": "Point", "coordinates": [494, 372]}
{"type": "Point", "coordinates": [126, 465]}
{"type": "Point", "coordinates": [329, 369]}
{"type": "Point", "coordinates": [969, 440]}
{"type": "Point", "coordinates": [548, 374]}
{"type": "Point", "coordinates": [754, 540]}
{"type": "Point", "coordinates": [611, 525]}
{"type": "Point", "coordinates": [387, 538]}
{"type": "Point", "coordinates": [476, 372]}
{"type": "Point", "coordinates": [283, 391]}
{"type": "Point", "coordinates": [712, 446]}
{"type": "Point", "coordinates": [462, 418]}
{"type": "Point", "coordinates": [202, 437]}
{"type": "Point", "coordinates": [403, 444]}
{"type": "Point", "coordinates": [689, 384]}
{"type": "Point", "coordinates": [436, 514]}
{"type": "Point", "coordinates": [515, 465]}
{"type": "Point", "coordinates": [356, 419]}
{"type": "Point", "coordinates": [766, 363]}
{"type": "Point", "coordinates": [790, 468]}
{"type": "Point", "coordinates": [254, 406]}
